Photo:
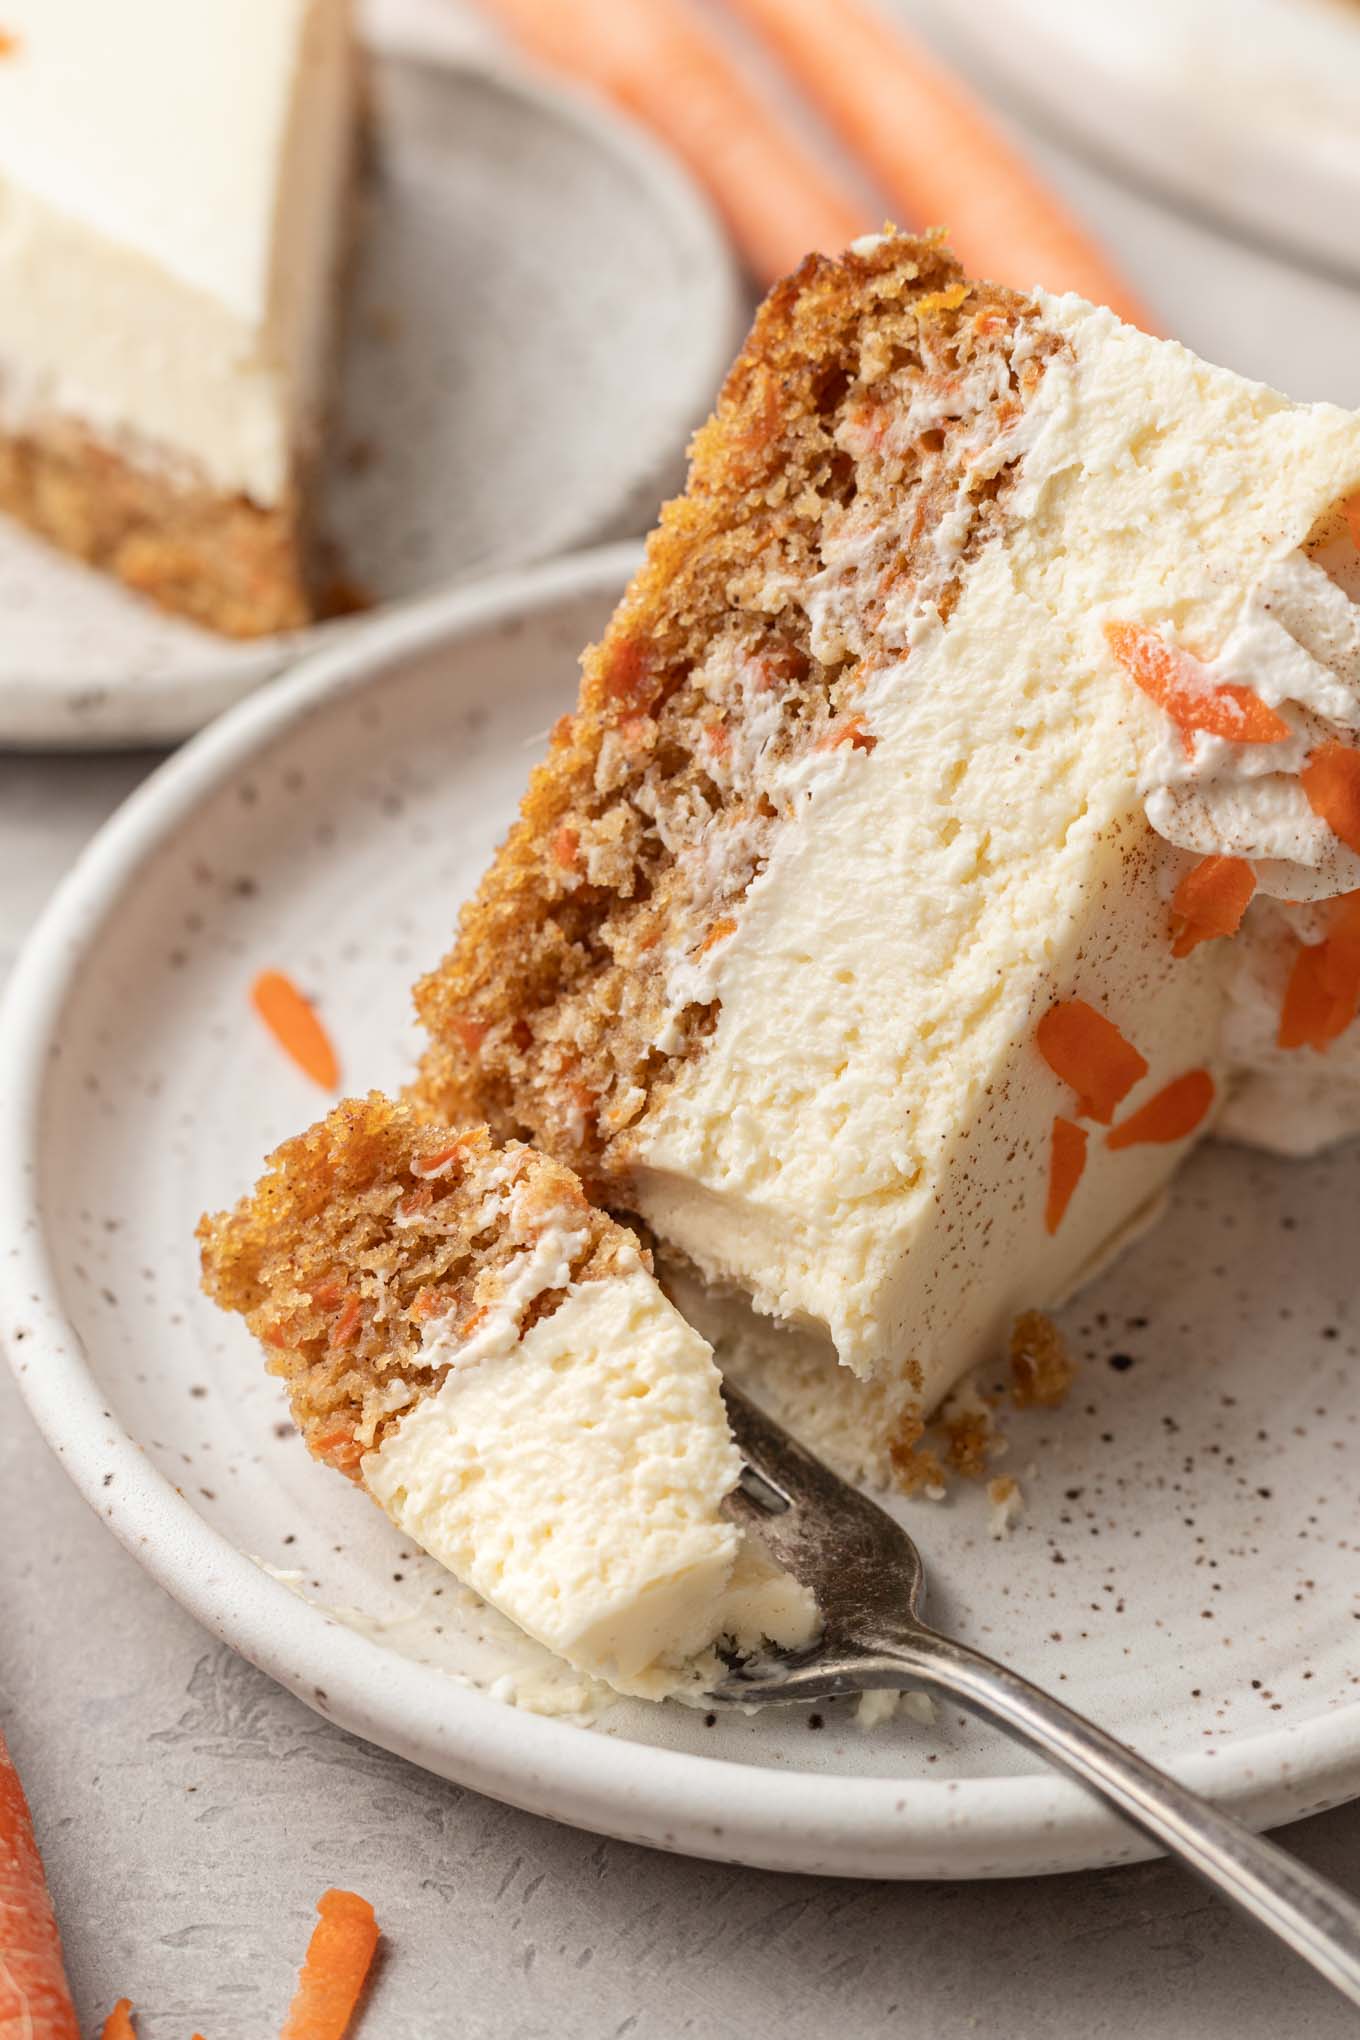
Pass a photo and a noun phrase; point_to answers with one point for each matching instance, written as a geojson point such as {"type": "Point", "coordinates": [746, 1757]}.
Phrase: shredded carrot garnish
{"type": "Point", "coordinates": [333, 1974]}
{"type": "Point", "coordinates": [1173, 1114]}
{"type": "Point", "coordinates": [1088, 1052]}
{"type": "Point", "coordinates": [1178, 685]}
{"type": "Point", "coordinates": [1067, 1159]}
{"type": "Point", "coordinates": [1350, 510]}
{"type": "Point", "coordinates": [118, 2025]}
{"type": "Point", "coordinates": [1331, 780]}
{"type": "Point", "coordinates": [293, 1022]}
{"type": "Point", "coordinates": [34, 1998]}
{"type": "Point", "coordinates": [1322, 996]}
{"type": "Point", "coordinates": [1210, 901]}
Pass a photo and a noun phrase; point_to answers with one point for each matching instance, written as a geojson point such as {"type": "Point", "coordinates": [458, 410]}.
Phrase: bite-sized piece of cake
{"type": "Point", "coordinates": [175, 182]}
{"type": "Point", "coordinates": [836, 937]}
{"type": "Point", "coordinates": [463, 1334]}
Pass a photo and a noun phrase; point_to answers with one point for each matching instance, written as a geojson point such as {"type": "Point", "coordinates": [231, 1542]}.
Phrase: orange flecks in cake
{"type": "Point", "coordinates": [327, 1295]}
{"type": "Point", "coordinates": [718, 738]}
{"type": "Point", "coordinates": [1067, 1159]}
{"type": "Point", "coordinates": [277, 1335]}
{"type": "Point", "coordinates": [292, 1020]}
{"type": "Point", "coordinates": [566, 847]}
{"type": "Point", "coordinates": [629, 673]}
{"type": "Point", "coordinates": [1210, 901]}
{"type": "Point", "coordinates": [1181, 689]}
{"type": "Point", "coordinates": [1041, 1372]}
{"type": "Point", "coordinates": [345, 1330]}
{"type": "Point", "coordinates": [339, 1448]}
{"type": "Point", "coordinates": [471, 1033]}
{"type": "Point", "coordinates": [1331, 780]}
{"type": "Point", "coordinates": [719, 932]}
{"type": "Point", "coordinates": [852, 732]}
{"type": "Point", "coordinates": [1323, 993]}
{"type": "Point", "coordinates": [1088, 1052]}
{"type": "Point", "coordinates": [1173, 1114]}
{"type": "Point", "coordinates": [437, 1164]}
{"type": "Point", "coordinates": [428, 1303]}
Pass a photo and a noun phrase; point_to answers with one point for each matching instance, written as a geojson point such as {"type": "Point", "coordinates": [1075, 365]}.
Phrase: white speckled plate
{"type": "Point", "coordinates": [1186, 1567]}
{"type": "Point", "coordinates": [542, 309]}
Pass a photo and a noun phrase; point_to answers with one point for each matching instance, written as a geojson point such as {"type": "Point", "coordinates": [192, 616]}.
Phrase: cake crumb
{"type": "Point", "coordinates": [1006, 1499]}
{"type": "Point", "coordinates": [1041, 1371]}
{"type": "Point", "coordinates": [874, 1708]}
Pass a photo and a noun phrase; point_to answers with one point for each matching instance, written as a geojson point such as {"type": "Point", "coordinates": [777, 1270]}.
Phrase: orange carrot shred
{"type": "Point", "coordinates": [1176, 682]}
{"type": "Point", "coordinates": [1210, 901]}
{"type": "Point", "coordinates": [1173, 1114]}
{"type": "Point", "coordinates": [1088, 1052]}
{"type": "Point", "coordinates": [293, 1022]}
{"type": "Point", "coordinates": [1331, 780]}
{"type": "Point", "coordinates": [337, 1963]}
{"type": "Point", "coordinates": [1350, 510]}
{"type": "Point", "coordinates": [118, 2025]}
{"type": "Point", "coordinates": [1067, 1159]}
{"type": "Point", "coordinates": [34, 1995]}
{"type": "Point", "coordinates": [1322, 995]}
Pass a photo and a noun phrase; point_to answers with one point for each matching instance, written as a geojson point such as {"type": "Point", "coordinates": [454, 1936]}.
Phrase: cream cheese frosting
{"type": "Point", "coordinates": [172, 180]}
{"type": "Point", "coordinates": [861, 1146]}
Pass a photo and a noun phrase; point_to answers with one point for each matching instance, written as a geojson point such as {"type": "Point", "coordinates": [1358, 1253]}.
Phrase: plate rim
{"type": "Point", "coordinates": [118, 712]}
{"type": "Point", "coordinates": [709, 1806]}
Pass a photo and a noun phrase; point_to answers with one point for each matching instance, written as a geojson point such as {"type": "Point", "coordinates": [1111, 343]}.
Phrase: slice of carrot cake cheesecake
{"type": "Point", "coordinates": [489, 1356]}
{"type": "Point", "coordinates": [866, 929]}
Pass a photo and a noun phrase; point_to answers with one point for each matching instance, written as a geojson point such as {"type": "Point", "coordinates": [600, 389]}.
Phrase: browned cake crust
{"type": "Point", "coordinates": [554, 1018]}
{"type": "Point", "coordinates": [221, 560]}
{"type": "Point", "coordinates": [365, 1229]}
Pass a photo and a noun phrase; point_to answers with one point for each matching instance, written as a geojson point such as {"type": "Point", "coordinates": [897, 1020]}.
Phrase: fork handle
{"type": "Point", "coordinates": [1313, 1916]}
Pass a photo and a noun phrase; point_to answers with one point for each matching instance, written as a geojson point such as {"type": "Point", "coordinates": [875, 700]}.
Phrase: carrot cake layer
{"type": "Point", "coordinates": [175, 185]}
{"type": "Point", "coordinates": [490, 1358]}
{"type": "Point", "coordinates": [836, 937]}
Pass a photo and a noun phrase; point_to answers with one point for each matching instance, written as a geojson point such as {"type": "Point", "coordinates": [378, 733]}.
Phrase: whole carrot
{"type": "Point", "coordinates": [35, 1999]}
{"type": "Point", "coordinates": [935, 149]}
{"type": "Point", "coordinates": [657, 60]}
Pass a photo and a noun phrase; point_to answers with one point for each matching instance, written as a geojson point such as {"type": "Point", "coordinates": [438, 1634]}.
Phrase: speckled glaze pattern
{"type": "Point", "coordinates": [542, 309]}
{"type": "Point", "coordinates": [1186, 1565]}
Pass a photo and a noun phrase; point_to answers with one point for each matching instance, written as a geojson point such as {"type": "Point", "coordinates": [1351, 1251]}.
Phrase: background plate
{"type": "Point", "coordinates": [542, 309]}
{"type": "Point", "coordinates": [1185, 1568]}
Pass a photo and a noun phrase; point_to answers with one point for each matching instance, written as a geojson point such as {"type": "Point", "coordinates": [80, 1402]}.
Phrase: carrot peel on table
{"type": "Point", "coordinates": [660, 62]}
{"type": "Point", "coordinates": [1172, 1115]}
{"type": "Point", "coordinates": [294, 1023]}
{"type": "Point", "coordinates": [1210, 901]}
{"type": "Point", "coordinates": [35, 1999]}
{"type": "Point", "coordinates": [1181, 688]}
{"type": "Point", "coordinates": [118, 2025]}
{"type": "Point", "coordinates": [1088, 1052]}
{"type": "Point", "coordinates": [935, 149]}
{"type": "Point", "coordinates": [334, 1971]}
{"type": "Point", "coordinates": [1331, 780]}
{"type": "Point", "coordinates": [1067, 1159]}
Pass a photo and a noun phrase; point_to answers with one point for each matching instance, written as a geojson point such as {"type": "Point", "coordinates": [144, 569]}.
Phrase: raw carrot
{"type": "Point", "coordinates": [337, 1962]}
{"type": "Point", "coordinates": [936, 150]}
{"type": "Point", "coordinates": [1173, 1114]}
{"type": "Point", "coordinates": [293, 1022]}
{"type": "Point", "coordinates": [118, 2025]}
{"type": "Point", "coordinates": [1322, 996]}
{"type": "Point", "coordinates": [35, 1998]}
{"type": "Point", "coordinates": [1067, 1159]}
{"type": "Point", "coordinates": [1088, 1052]}
{"type": "Point", "coordinates": [659, 61]}
{"type": "Point", "coordinates": [1177, 683]}
{"type": "Point", "coordinates": [1331, 780]}
{"type": "Point", "coordinates": [1210, 901]}
{"type": "Point", "coordinates": [1350, 510]}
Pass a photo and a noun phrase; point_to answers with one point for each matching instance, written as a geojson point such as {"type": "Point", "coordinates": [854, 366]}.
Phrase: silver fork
{"type": "Point", "coordinates": [869, 1583]}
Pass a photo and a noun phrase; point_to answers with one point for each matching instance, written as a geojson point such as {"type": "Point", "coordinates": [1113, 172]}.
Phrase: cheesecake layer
{"type": "Point", "coordinates": [492, 1360]}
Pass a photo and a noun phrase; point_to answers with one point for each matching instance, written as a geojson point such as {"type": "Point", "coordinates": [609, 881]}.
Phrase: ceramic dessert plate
{"type": "Point", "coordinates": [542, 309]}
{"type": "Point", "coordinates": [1184, 1568]}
